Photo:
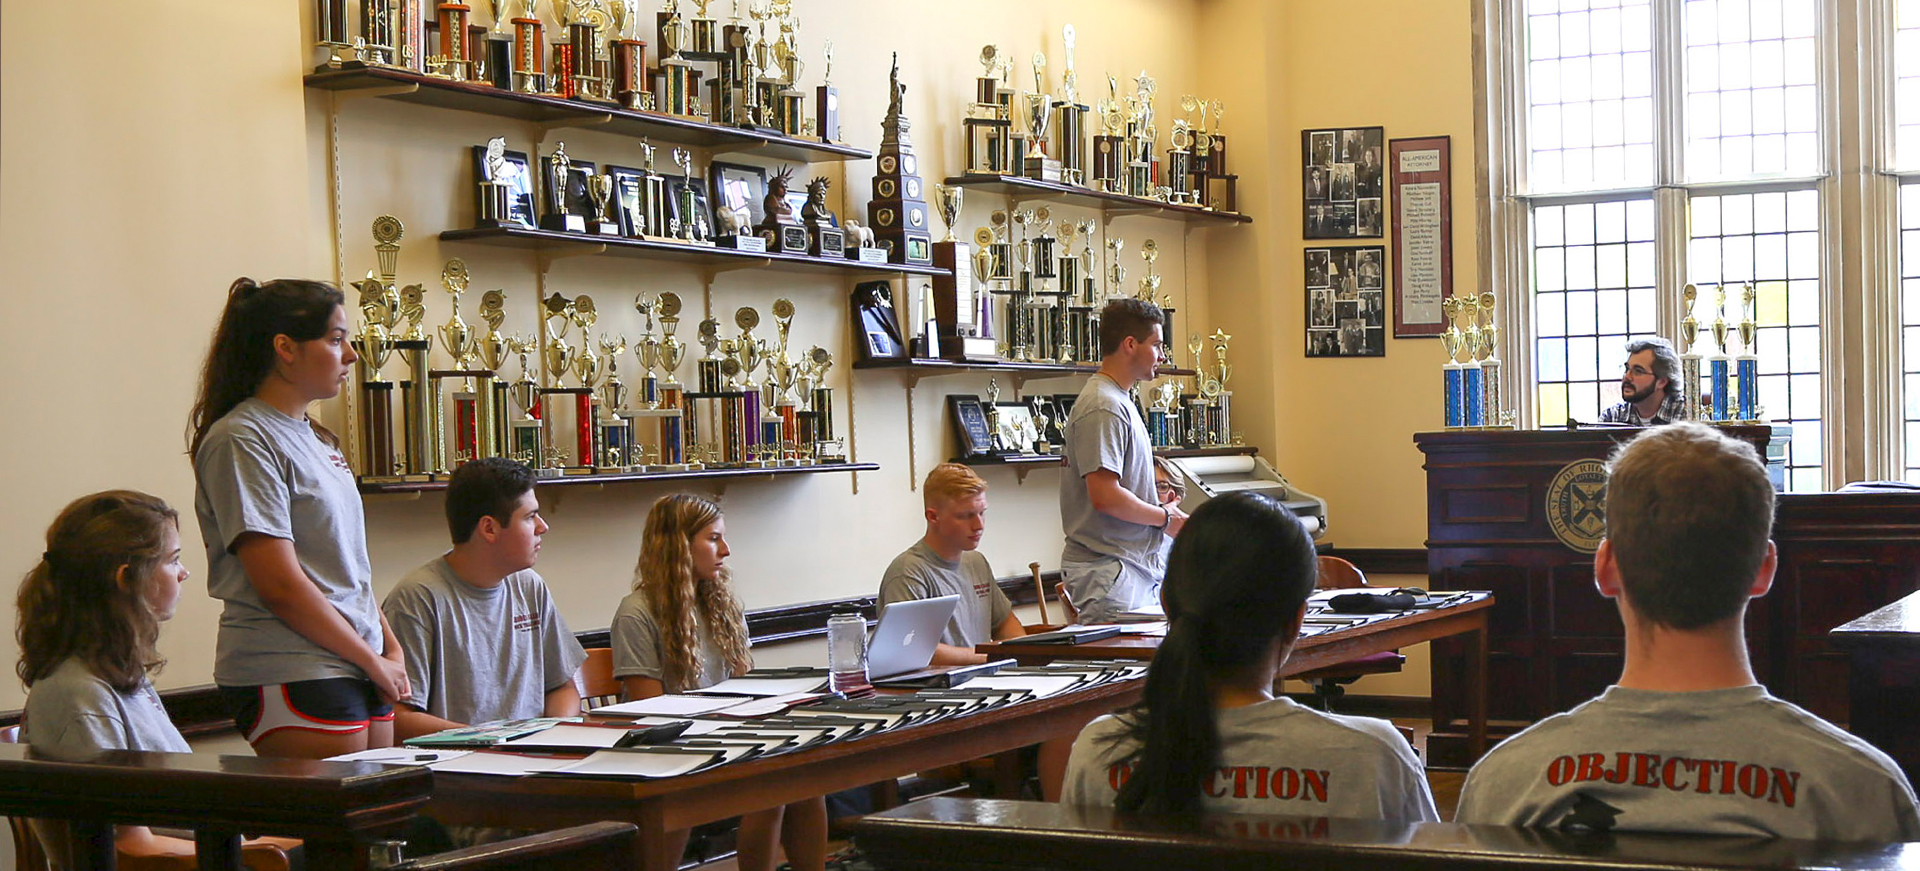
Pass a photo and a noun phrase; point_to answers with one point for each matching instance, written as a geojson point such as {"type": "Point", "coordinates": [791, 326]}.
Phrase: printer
{"type": "Point", "coordinates": [1207, 477]}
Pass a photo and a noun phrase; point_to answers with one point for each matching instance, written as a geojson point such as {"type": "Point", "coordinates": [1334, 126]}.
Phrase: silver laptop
{"type": "Point", "coordinates": [907, 635]}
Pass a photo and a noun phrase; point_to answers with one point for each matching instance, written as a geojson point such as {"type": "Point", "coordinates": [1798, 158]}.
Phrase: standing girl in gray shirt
{"type": "Point", "coordinates": [89, 617]}
{"type": "Point", "coordinates": [1209, 734]}
{"type": "Point", "coordinates": [681, 629]}
{"type": "Point", "coordinates": [303, 656]}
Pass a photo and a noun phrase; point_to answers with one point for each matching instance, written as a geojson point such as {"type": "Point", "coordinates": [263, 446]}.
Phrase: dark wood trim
{"type": "Point", "coordinates": [200, 710]}
{"type": "Point", "coordinates": [1383, 560]}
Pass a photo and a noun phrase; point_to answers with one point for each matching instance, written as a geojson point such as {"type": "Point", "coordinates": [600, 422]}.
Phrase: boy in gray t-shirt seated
{"type": "Point", "coordinates": [946, 562]}
{"type": "Point", "coordinates": [483, 638]}
{"type": "Point", "coordinates": [1687, 741]}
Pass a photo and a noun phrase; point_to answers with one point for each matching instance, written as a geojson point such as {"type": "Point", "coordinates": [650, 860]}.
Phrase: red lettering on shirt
{"type": "Point", "coordinates": [1653, 771]}
{"type": "Point", "coordinates": [525, 622]}
{"type": "Point", "coordinates": [1117, 775]}
{"type": "Point", "coordinates": [1240, 781]}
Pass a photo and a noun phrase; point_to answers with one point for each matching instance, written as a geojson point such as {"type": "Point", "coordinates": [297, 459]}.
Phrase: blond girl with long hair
{"type": "Point", "coordinates": [681, 629]}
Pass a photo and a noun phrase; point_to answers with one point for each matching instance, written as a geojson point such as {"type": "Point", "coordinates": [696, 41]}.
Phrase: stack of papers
{"type": "Point", "coordinates": [671, 706]}
{"type": "Point", "coordinates": [750, 685]}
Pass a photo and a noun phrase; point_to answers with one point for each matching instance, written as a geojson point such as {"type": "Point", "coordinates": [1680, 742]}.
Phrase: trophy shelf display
{"type": "Point", "coordinates": [637, 477]}
{"type": "Point", "coordinates": [1169, 453]}
{"type": "Point", "coordinates": [648, 249]}
{"type": "Point", "coordinates": [485, 99]}
{"type": "Point", "coordinates": [1113, 204]}
{"type": "Point", "coordinates": [927, 366]}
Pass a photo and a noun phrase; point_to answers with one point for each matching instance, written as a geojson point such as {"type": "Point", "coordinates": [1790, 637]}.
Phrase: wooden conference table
{"type": "Point", "coordinates": [1466, 617]}
{"type": "Point", "coordinates": [661, 806]}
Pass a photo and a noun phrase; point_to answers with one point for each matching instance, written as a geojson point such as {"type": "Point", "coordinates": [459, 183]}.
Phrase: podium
{"type": "Point", "coordinates": [1501, 508]}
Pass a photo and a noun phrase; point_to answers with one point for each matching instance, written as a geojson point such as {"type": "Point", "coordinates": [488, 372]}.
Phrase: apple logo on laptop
{"type": "Point", "coordinates": [907, 641]}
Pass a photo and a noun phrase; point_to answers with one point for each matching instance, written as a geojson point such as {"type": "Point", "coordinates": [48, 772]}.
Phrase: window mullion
{"type": "Point", "coordinates": [1868, 257]}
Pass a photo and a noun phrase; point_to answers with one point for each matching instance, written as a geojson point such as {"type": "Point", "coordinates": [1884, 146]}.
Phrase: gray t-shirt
{"type": "Point", "coordinates": [637, 646]}
{"type": "Point", "coordinates": [72, 712]}
{"type": "Point", "coordinates": [261, 471]}
{"type": "Point", "coordinates": [1732, 761]}
{"type": "Point", "coordinates": [478, 655]}
{"type": "Point", "coordinates": [1109, 564]}
{"type": "Point", "coordinates": [1276, 757]}
{"type": "Point", "coordinates": [919, 573]}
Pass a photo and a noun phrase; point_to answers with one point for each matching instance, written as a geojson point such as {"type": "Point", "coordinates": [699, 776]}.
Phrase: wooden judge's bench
{"type": "Point", "coordinates": [1499, 503]}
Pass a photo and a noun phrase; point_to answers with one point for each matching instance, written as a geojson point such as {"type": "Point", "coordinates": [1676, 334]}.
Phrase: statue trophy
{"type": "Point", "coordinates": [1109, 145]}
{"type": "Point", "coordinates": [1221, 424]}
{"type": "Point", "coordinates": [1452, 378]}
{"type": "Point", "coordinates": [558, 174]}
{"type": "Point", "coordinates": [747, 418]}
{"type": "Point", "coordinates": [1718, 364]}
{"type": "Point", "coordinates": [647, 348]}
{"type": "Point", "coordinates": [1150, 283]}
{"type": "Point", "coordinates": [708, 365]}
{"type": "Point", "coordinates": [496, 204]}
{"type": "Point", "coordinates": [989, 119]}
{"type": "Point", "coordinates": [629, 85]}
{"type": "Point", "coordinates": [1001, 444]}
{"type": "Point", "coordinates": [556, 357]}
{"type": "Point", "coordinates": [653, 198]}
{"type": "Point", "coordinates": [790, 103]}
{"type": "Point", "coordinates": [1746, 367]}
{"type": "Point", "coordinates": [777, 399]}
{"type": "Point", "coordinates": [1036, 164]}
{"type": "Point", "coordinates": [586, 368]}
{"type": "Point", "coordinates": [1159, 432]}
{"type": "Point", "coordinates": [600, 193]}
{"type": "Point", "coordinates": [1472, 386]}
{"type": "Point", "coordinates": [1491, 402]}
{"type": "Point", "coordinates": [1689, 358]}
{"type": "Point", "coordinates": [1070, 121]}
{"type": "Point", "coordinates": [526, 437]}
{"type": "Point", "coordinates": [490, 390]}
{"type": "Point", "coordinates": [781, 228]}
{"type": "Point", "coordinates": [1180, 159]}
{"type": "Point", "coordinates": [898, 211]}
{"type": "Point", "coordinates": [453, 60]}
{"type": "Point", "coordinates": [817, 439]}
{"type": "Point", "coordinates": [1141, 163]}
{"type": "Point", "coordinates": [826, 101]}
{"type": "Point", "coordinates": [703, 30]}
{"type": "Point", "coordinates": [1117, 272]}
{"type": "Point", "coordinates": [670, 448]}
{"type": "Point", "coordinates": [379, 312]}
{"type": "Point", "coordinates": [679, 82]}
{"type": "Point", "coordinates": [460, 343]}
{"type": "Point", "coordinates": [529, 53]}
{"type": "Point", "coordinates": [822, 226]}
{"type": "Point", "coordinates": [615, 430]}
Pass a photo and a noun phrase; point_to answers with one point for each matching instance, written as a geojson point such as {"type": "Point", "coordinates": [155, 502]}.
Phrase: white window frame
{"type": "Point", "coordinates": [1862, 409]}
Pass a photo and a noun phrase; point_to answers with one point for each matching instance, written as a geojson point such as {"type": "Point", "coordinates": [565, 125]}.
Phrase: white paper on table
{"type": "Point", "coordinates": [694, 727]}
{"type": "Point", "coordinates": [764, 686]}
{"type": "Point", "coordinates": [768, 706]}
{"type": "Point", "coordinates": [671, 706]}
{"type": "Point", "coordinates": [506, 764]}
{"type": "Point", "coordinates": [885, 721]}
{"type": "Point", "coordinates": [801, 735]}
{"type": "Point", "coordinates": [400, 756]}
{"type": "Point", "coordinates": [1156, 627]}
{"type": "Point", "coordinates": [1041, 685]}
{"type": "Point", "coordinates": [572, 736]}
{"type": "Point", "coordinates": [1150, 611]}
{"type": "Point", "coordinates": [636, 763]}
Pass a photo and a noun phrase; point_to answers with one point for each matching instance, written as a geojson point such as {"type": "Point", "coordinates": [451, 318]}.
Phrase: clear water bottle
{"type": "Point", "coordinates": [847, 652]}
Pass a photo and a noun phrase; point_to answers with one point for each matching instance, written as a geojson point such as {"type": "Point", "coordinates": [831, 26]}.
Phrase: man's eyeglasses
{"type": "Point", "coordinates": [1635, 371]}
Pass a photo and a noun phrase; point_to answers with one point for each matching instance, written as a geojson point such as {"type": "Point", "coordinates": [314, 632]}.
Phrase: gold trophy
{"type": "Point", "coordinates": [1689, 359]}
{"type": "Point", "coordinates": [948, 198]}
{"type": "Point", "coordinates": [490, 389]}
{"type": "Point", "coordinates": [1150, 283]}
{"type": "Point", "coordinates": [1719, 366]}
{"type": "Point", "coordinates": [1746, 367]}
{"type": "Point", "coordinates": [379, 313]}
{"type": "Point", "coordinates": [1453, 377]}
{"type": "Point", "coordinates": [648, 349]}
{"type": "Point", "coordinates": [460, 343]}
{"type": "Point", "coordinates": [751, 350]}
{"type": "Point", "coordinates": [1490, 395]}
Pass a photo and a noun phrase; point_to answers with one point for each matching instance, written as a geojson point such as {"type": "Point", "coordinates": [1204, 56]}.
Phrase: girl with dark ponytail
{"type": "Point", "coordinates": [1209, 735]}
{"type": "Point", "coordinates": [303, 656]}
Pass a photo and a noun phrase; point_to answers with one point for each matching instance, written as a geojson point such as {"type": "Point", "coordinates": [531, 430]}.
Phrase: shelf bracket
{"type": "Point", "coordinates": [587, 120]}
{"type": "Point", "coordinates": [387, 91]}
{"type": "Point", "coordinates": [548, 255]}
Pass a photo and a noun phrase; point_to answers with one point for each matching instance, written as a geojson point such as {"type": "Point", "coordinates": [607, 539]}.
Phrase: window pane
{"type": "Point", "coordinates": [1589, 95]}
{"type": "Point", "coordinates": [1910, 296]}
{"type": "Point", "coordinates": [1769, 242]}
{"type": "Point", "coordinates": [1906, 88]}
{"type": "Point", "coordinates": [1753, 107]}
{"type": "Point", "coordinates": [1593, 290]}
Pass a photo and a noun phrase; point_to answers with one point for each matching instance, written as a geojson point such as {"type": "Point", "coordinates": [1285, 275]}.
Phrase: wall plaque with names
{"type": "Point", "coordinates": [1422, 233]}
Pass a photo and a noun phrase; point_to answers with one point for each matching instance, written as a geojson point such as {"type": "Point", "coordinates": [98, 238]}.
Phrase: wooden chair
{"type": "Point", "coordinates": [602, 845]}
{"type": "Point", "coordinates": [1069, 613]}
{"type": "Point", "coordinates": [1329, 683]}
{"type": "Point", "coordinates": [30, 852]}
{"type": "Point", "coordinates": [595, 679]}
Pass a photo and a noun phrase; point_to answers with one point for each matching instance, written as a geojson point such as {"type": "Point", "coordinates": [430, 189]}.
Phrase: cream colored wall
{"type": "Point", "coordinates": [1338, 428]}
{"type": "Point", "coordinates": [132, 193]}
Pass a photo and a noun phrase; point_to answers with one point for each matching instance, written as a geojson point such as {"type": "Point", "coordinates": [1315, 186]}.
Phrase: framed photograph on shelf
{"type": "Point", "coordinates": [1346, 301]}
{"type": "Point", "coordinates": [970, 430]}
{"type": "Point", "coordinates": [1343, 181]}
{"type": "Point", "coordinates": [876, 324]}
{"type": "Point", "coordinates": [740, 187]}
{"type": "Point", "coordinates": [1017, 429]}
{"type": "Point", "coordinates": [701, 217]}
{"type": "Point", "coordinates": [629, 206]}
{"type": "Point", "coordinates": [1422, 233]}
{"type": "Point", "coordinates": [518, 178]}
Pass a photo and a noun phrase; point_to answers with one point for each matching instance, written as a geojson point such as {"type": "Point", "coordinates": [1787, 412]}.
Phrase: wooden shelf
{"type": "Point", "coordinates": [1015, 186]}
{"type": "Point", "coordinates": [638, 477]}
{"type": "Point", "coordinates": [485, 99]}
{"type": "Point", "coordinates": [925, 366]}
{"type": "Point", "coordinates": [1170, 453]}
{"type": "Point", "coordinates": [563, 244]}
